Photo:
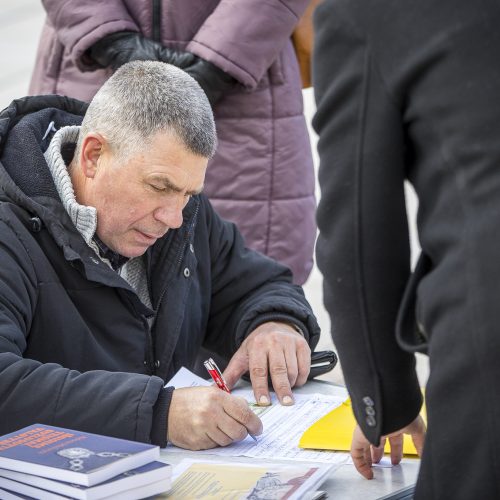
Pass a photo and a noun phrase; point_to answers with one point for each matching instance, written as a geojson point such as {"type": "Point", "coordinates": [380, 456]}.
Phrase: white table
{"type": "Point", "coordinates": [345, 483]}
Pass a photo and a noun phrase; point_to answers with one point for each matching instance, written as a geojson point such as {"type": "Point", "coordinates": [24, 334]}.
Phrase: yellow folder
{"type": "Point", "coordinates": [334, 432]}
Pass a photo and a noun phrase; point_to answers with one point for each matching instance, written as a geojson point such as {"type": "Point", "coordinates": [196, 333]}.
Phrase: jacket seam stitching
{"type": "Point", "coordinates": [271, 173]}
{"type": "Point", "coordinates": [239, 118]}
{"type": "Point", "coordinates": [358, 220]}
{"type": "Point", "coordinates": [289, 9]}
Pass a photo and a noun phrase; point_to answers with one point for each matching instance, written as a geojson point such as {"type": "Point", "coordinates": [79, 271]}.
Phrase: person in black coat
{"type": "Point", "coordinates": [408, 90]}
{"type": "Point", "coordinates": [115, 270]}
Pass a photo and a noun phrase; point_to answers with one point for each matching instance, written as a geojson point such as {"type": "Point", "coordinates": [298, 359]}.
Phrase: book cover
{"type": "Point", "coordinates": [9, 495]}
{"type": "Point", "coordinates": [25, 490]}
{"type": "Point", "coordinates": [213, 480]}
{"type": "Point", "coordinates": [135, 478]}
{"type": "Point", "coordinates": [14, 490]}
{"type": "Point", "coordinates": [72, 456]}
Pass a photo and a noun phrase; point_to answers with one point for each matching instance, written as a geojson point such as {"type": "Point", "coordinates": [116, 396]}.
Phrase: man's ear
{"type": "Point", "coordinates": [93, 146]}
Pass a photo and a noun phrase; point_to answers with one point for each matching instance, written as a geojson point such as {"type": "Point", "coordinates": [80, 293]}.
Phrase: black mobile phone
{"type": "Point", "coordinates": [322, 362]}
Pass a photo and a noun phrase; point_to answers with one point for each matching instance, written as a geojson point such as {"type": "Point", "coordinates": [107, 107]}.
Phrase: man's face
{"type": "Point", "coordinates": [139, 200]}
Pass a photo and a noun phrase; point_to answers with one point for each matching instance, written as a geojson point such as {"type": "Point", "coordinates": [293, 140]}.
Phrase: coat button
{"type": "Point", "coordinates": [368, 401]}
{"type": "Point", "coordinates": [187, 272]}
{"type": "Point", "coordinates": [157, 363]}
{"type": "Point", "coordinates": [369, 410]}
{"type": "Point", "coordinates": [95, 260]}
{"type": "Point", "coordinates": [36, 224]}
{"type": "Point", "coordinates": [370, 421]}
{"type": "Point", "coordinates": [191, 247]}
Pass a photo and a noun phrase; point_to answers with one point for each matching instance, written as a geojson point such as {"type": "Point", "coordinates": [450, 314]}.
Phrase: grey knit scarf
{"type": "Point", "coordinates": [85, 218]}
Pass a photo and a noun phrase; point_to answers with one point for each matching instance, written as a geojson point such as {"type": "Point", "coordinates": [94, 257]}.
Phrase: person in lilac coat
{"type": "Point", "coordinates": [262, 175]}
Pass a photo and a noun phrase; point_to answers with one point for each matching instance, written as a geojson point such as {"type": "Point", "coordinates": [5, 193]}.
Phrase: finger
{"type": "Point", "coordinates": [367, 450]}
{"type": "Point", "coordinates": [291, 362]}
{"type": "Point", "coordinates": [303, 361]}
{"type": "Point", "coordinates": [258, 368]}
{"type": "Point", "coordinates": [217, 437]}
{"type": "Point", "coordinates": [231, 430]}
{"type": "Point", "coordinates": [361, 461]}
{"type": "Point", "coordinates": [396, 443]}
{"type": "Point", "coordinates": [238, 410]}
{"type": "Point", "coordinates": [418, 440]}
{"type": "Point", "coordinates": [237, 366]}
{"type": "Point", "coordinates": [279, 376]}
{"type": "Point", "coordinates": [361, 455]}
{"type": "Point", "coordinates": [378, 451]}
{"type": "Point", "coordinates": [418, 429]}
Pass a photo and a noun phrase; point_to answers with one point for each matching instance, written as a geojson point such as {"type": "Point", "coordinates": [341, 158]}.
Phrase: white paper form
{"type": "Point", "coordinates": [186, 378]}
{"type": "Point", "coordinates": [283, 427]}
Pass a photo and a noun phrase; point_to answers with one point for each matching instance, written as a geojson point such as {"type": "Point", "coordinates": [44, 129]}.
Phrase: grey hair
{"type": "Point", "coordinates": [146, 97]}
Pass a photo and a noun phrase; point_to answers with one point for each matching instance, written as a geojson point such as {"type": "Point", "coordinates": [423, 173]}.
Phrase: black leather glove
{"type": "Point", "coordinates": [212, 80]}
{"type": "Point", "coordinates": [119, 48]}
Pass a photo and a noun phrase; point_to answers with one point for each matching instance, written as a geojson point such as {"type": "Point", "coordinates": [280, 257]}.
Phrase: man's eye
{"type": "Point", "coordinates": [158, 188]}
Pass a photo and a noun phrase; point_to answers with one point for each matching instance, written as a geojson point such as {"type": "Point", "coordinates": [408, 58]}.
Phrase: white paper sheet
{"type": "Point", "coordinates": [186, 378]}
{"type": "Point", "coordinates": [283, 426]}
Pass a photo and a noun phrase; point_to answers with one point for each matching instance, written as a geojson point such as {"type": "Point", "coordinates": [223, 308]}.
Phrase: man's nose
{"type": "Point", "coordinates": [170, 215]}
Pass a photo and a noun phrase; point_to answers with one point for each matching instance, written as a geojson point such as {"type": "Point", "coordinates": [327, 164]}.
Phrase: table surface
{"type": "Point", "coordinates": [345, 483]}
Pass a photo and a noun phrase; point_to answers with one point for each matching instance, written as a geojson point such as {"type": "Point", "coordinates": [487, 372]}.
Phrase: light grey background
{"type": "Point", "coordinates": [20, 28]}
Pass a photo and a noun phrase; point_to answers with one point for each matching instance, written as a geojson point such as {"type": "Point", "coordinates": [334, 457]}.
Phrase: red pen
{"type": "Point", "coordinates": [216, 374]}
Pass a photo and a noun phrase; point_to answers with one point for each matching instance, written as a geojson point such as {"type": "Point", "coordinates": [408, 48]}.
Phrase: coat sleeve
{"type": "Point", "coordinates": [115, 404]}
{"type": "Point", "coordinates": [248, 289]}
{"type": "Point", "coordinates": [363, 247]}
{"type": "Point", "coordinates": [81, 23]}
{"type": "Point", "coordinates": [244, 38]}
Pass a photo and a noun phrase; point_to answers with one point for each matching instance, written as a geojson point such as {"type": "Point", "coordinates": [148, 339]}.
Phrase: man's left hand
{"type": "Point", "coordinates": [276, 349]}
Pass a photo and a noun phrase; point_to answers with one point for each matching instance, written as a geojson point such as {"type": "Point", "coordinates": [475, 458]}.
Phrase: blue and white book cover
{"type": "Point", "coordinates": [66, 454]}
{"type": "Point", "coordinates": [154, 472]}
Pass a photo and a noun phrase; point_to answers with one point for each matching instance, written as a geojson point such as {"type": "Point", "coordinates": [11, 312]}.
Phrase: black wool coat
{"type": "Point", "coordinates": [408, 90]}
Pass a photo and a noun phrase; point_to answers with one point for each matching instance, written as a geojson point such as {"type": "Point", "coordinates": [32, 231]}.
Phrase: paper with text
{"type": "Point", "coordinates": [283, 427]}
{"type": "Point", "coordinates": [212, 480]}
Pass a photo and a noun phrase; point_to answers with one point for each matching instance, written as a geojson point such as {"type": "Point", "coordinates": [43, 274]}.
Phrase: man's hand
{"type": "Point", "coordinates": [364, 454]}
{"type": "Point", "coordinates": [276, 349]}
{"type": "Point", "coordinates": [205, 417]}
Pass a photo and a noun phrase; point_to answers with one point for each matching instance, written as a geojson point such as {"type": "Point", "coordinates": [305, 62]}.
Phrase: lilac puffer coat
{"type": "Point", "coordinates": [262, 176]}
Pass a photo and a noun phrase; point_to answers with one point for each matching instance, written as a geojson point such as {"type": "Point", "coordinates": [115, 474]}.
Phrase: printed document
{"type": "Point", "coordinates": [283, 425]}
{"type": "Point", "coordinates": [212, 480]}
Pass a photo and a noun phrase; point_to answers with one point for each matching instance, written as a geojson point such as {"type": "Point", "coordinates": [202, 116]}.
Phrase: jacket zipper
{"type": "Point", "coordinates": [181, 253]}
{"type": "Point", "coordinates": [150, 361]}
{"type": "Point", "coordinates": [156, 19]}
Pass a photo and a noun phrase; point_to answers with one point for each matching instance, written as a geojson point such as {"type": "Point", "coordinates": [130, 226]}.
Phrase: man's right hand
{"type": "Point", "coordinates": [205, 417]}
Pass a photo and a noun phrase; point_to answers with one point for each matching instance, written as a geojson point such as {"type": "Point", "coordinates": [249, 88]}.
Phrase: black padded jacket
{"type": "Point", "coordinates": [76, 348]}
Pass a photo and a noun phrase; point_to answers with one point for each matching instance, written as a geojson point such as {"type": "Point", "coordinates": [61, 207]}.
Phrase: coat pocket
{"type": "Point", "coordinates": [410, 333]}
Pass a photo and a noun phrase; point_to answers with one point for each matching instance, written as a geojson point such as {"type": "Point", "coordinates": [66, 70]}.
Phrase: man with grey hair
{"type": "Point", "coordinates": [115, 270]}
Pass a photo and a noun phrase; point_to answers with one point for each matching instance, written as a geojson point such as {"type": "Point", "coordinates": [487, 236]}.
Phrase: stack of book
{"type": "Point", "coordinates": [45, 462]}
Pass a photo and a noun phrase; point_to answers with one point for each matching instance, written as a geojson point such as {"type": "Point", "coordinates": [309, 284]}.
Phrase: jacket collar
{"type": "Point", "coordinates": [25, 180]}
